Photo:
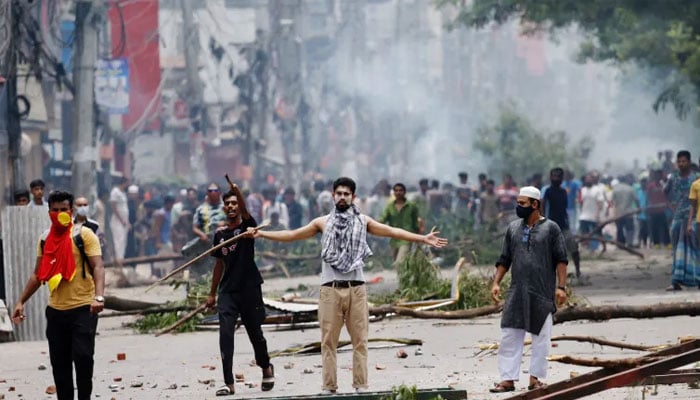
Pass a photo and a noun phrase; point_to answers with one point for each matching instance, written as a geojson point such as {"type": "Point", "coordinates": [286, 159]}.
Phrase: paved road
{"type": "Point", "coordinates": [450, 351]}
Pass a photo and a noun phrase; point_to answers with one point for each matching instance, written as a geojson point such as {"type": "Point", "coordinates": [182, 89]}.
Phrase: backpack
{"type": "Point", "coordinates": [78, 241]}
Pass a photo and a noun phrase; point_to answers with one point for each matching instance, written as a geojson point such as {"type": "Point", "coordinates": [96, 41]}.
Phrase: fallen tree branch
{"type": "Point", "coordinates": [184, 319]}
{"type": "Point", "coordinates": [601, 225]}
{"type": "Point", "coordinates": [585, 339]}
{"type": "Point", "coordinates": [581, 238]}
{"type": "Point", "coordinates": [605, 342]}
{"type": "Point", "coordinates": [604, 313]}
{"type": "Point", "coordinates": [458, 314]}
{"type": "Point", "coordinates": [596, 362]}
{"type": "Point", "coordinates": [315, 347]}
{"type": "Point", "coordinates": [119, 304]}
{"type": "Point", "coordinates": [146, 311]}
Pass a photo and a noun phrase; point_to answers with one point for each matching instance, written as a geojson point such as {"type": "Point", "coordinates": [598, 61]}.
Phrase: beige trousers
{"type": "Point", "coordinates": [338, 306]}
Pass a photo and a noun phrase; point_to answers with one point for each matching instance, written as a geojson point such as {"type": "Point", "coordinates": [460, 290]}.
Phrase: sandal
{"type": "Point", "coordinates": [268, 381]}
{"type": "Point", "coordinates": [225, 391]}
{"type": "Point", "coordinates": [501, 388]}
{"type": "Point", "coordinates": [538, 384]}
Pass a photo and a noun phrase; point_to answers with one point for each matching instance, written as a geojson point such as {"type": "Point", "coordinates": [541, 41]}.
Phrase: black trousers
{"type": "Point", "coordinates": [625, 229]}
{"type": "Point", "coordinates": [643, 232]}
{"type": "Point", "coordinates": [249, 305]}
{"type": "Point", "coordinates": [659, 229]}
{"type": "Point", "coordinates": [71, 335]}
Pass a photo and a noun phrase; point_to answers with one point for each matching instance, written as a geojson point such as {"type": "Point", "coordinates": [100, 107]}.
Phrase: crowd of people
{"type": "Point", "coordinates": [658, 207]}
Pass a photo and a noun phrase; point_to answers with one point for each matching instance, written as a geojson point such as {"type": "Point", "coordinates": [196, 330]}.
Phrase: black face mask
{"type": "Point", "coordinates": [556, 183]}
{"type": "Point", "coordinates": [524, 212]}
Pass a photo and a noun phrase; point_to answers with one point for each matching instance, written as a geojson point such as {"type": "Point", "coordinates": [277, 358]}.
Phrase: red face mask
{"type": "Point", "coordinates": [60, 220]}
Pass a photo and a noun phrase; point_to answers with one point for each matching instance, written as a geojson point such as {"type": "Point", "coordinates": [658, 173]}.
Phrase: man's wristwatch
{"type": "Point", "coordinates": [562, 288]}
{"type": "Point", "coordinates": [100, 299]}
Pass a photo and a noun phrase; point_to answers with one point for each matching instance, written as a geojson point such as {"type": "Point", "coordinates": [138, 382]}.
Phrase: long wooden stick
{"type": "Point", "coordinates": [199, 257]}
{"type": "Point", "coordinates": [184, 319]}
{"type": "Point", "coordinates": [315, 347]}
{"type": "Point", "coordinates": [621, 246]}
{"type": "Point", "coordinates": [604, 342]}
{"type": "Point", "coordinates": [231, 185]}
{"type": "Point", "coordinates": [596, 362]}
{"type": "Point", "coordinates": [457, 314]}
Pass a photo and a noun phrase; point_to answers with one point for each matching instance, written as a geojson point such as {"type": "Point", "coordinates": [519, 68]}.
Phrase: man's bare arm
{"type": "Point", "coordinates": [98, 274]}
{"type": "Point", "coordinates": [305, 232]}
{"type": "Point", "coordinates": [379, 229]}
{"type": "Point", "coordinates": [32, 285]}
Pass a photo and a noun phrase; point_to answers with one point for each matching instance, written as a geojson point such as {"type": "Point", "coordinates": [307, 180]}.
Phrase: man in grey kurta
{"type": "Point", "coordinates": [534, 251]}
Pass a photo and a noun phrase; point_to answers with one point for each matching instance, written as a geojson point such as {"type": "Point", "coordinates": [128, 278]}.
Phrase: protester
{"type": "Point", "coordinates": [592, 203]}
{"type": "Point", "coordinates": [694, 225]}
{"type": "Point", "coordinates": [343, 294]}
{"type": "Point", "coordinates": [21, 197]}
{"type": "Point", "coordinates": [403, 214]}
{"type": "Point", "coordinates": [683, 244]}
{"type": "Point", "coordinates": [209, 215]}
{"type": "Point", "coordinates": [555, 206]}
{"type": "Point", "coordinates": [119, 223]}
{"type": "Point", "coordinates": [535, 252]}
{"type": "Point", "coordinates": [658, 204]}
{"type": "Point", "coordinates": [625, 202]}
{"type": "Point", "coordinates": [75, 279]}
{"type": "Point", "coordinates": [236, 291]}
{"type": "Point", "coordinates": [37, 187]}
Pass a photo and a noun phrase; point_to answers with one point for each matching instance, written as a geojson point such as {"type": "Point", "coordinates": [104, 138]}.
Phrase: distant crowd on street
{"type": "Point", "coordinates": [651, 209]}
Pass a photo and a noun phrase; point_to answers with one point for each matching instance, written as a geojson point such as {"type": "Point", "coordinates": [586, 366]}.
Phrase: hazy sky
{"type": "Point", "coordinates": [484, 69]}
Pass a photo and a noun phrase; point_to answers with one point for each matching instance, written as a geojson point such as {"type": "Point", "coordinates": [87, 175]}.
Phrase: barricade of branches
{"type": "Point", "coordinates": [420, 279]}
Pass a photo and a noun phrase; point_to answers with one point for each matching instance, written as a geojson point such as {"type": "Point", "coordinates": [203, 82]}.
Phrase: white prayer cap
{"type": "Point", "coordinates": [530, 191]}
{"type": "Point", "coordinates": [183, 192]}
{"type": "Point", "coordinates": [133, 189]}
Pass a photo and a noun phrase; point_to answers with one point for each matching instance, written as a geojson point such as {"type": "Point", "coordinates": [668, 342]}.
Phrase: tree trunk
{"type": "Point", "coordinates": [604, 313]}
{"type": "Point", "coordinates": [118, 304]}
{"type": "Point", "coordinates": [458, 314]}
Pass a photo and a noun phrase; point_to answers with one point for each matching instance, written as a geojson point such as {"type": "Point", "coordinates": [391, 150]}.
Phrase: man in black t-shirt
{"type": "Point", "coordinates": [238, 281]}
{"type": "Point", "coordinates": [554, 203]}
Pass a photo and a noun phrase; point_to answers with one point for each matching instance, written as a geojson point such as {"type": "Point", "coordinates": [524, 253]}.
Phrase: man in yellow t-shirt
{"type": "Point", "coordinates": [694, 197]}
{"type": "Point", "coordinates": [75, 278]}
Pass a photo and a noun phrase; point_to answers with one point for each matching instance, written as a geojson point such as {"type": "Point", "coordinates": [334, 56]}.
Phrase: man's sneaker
{"type": "Point", "coordinates": [360, 390]}
{"type": "Point", "coordinates": [327, 392]}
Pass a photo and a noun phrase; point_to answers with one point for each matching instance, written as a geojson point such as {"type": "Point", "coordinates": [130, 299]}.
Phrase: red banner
{"type": "Point", "coordinates": [134, 31]}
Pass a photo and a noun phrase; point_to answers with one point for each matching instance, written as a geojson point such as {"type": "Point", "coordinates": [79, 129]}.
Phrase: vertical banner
{"type": "Point", "coordinates": [112, 85]}
{"type": "Point", "coordinates": [137, 42]}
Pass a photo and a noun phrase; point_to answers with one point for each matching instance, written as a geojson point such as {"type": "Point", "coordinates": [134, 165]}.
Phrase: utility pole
{"type": "Point", "coordinates": [6, 45]}
{"type": "Point", "coordinates": [285, 17]}
{"type": "Point", "coordinates": [194, 92]}
{"type": "Point", "coordinates": [12, 137]}
{"type": "Point", "coordinates": [84, 178]}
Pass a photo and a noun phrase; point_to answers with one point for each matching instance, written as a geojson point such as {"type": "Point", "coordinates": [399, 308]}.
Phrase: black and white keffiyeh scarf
{"type": "Point", "coordinates": [344, 243]}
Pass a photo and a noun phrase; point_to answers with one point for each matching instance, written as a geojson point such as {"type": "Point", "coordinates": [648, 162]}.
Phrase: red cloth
{"type": "Point", "coordinates": [57, 255]}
